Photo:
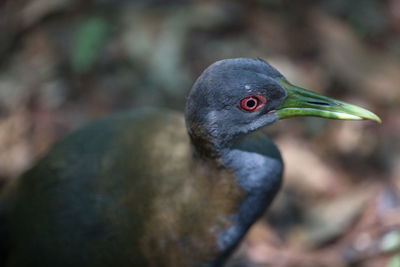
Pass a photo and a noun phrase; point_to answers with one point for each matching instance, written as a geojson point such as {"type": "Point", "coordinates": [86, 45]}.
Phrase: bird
{"type": "Point", "coordinates": [153, 187]}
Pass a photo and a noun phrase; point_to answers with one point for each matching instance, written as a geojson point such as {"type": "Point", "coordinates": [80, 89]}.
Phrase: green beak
{"type": "Point", "coordinates": [302, 102]}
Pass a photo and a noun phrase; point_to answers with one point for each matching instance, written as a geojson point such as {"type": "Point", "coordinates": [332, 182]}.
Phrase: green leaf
{"type": "Point", "coordinates": [390, 241]}
{"type": "Point", "coordinates": [90, 38]}
{"type": "Point", "coordinates": [395, 261]}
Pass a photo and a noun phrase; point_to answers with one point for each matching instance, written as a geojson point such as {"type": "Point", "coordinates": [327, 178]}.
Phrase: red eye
{"type": "Point", "coordinates": [252, 103]}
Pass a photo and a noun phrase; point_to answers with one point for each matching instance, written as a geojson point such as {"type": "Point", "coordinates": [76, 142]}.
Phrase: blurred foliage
{"type": "Point", "coordinates": [65, 62]}
{"type": "Point", "coordinates": [90, 38]}
{"type": "Point", "coordinates": [395, 261]}
{"type": "Point", "coordinates": [367, 17]}
{"type": "Point", "coordinates": [391, 241]}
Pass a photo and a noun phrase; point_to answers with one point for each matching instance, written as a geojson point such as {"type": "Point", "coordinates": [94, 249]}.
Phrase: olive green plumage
{"type": "Point", "coordinates": [118, 193]}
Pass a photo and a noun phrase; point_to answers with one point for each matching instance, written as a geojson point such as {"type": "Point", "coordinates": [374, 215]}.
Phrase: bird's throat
{"type": "Point", "coordinates": [257, 166]}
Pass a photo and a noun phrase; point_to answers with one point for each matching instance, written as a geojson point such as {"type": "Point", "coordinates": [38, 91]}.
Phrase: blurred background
{"type": "Point", "coordinates": [65, 62]}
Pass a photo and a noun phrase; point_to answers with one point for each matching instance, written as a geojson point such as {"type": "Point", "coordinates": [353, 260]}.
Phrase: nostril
{"type": "Point", "coordinates": [318, 103]}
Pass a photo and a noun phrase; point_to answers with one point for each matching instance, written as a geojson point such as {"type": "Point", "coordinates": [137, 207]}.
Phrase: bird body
{"type": "Point", "coordinates": [156, 205]}
{"type": "Point", "coordinates": [150, 187]}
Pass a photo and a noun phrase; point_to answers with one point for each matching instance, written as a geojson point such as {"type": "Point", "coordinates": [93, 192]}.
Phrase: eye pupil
{"type": "Point", "coordinates": [252, 103]}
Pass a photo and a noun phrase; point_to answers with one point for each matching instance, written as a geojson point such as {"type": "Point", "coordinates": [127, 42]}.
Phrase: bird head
{"type": "Point", "coordinates": [233, 97]}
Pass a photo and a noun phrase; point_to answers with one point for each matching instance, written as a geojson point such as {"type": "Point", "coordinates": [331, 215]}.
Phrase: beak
{"type": "Point", "coordinates": [302, 102]}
